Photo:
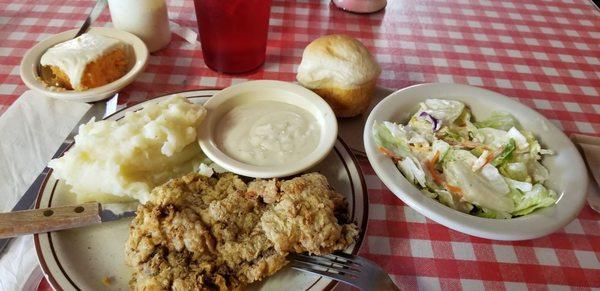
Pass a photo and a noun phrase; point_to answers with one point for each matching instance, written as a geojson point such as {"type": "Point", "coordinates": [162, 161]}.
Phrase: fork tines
{"type": "Point", "coordinates": [354, 270]}
{"type": "Point", "coordinates": [328, 265]}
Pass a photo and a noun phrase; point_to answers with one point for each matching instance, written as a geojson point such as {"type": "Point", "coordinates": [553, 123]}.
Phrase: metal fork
{"type": "Point", "coordinates": [350, 269]}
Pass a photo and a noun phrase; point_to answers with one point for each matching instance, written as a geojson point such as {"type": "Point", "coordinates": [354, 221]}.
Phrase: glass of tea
{"type": "Point", "coordinates": [233, 33]}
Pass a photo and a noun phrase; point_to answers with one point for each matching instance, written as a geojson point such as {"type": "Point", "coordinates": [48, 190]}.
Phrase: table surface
{"type": "Point", "coordinates": [544, 54]}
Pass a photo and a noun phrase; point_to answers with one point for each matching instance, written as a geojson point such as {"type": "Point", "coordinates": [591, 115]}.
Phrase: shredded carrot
{"type": "Point", "coordinates": [436, 157]}
{"type": "Point", "coordinates": [493, 155]}
{"type": "Point", "coordinates": [489, 158]}
{"type": "Point", "coordinates": [430, 165]}
{"type": "Point", "coordinates": [469, 144]}
{"type": "Point", "coordinates": [454, 189]}
{"type": "Point", "coordinates": [389, 154]}
{"type": "Point", "coordinates": [463, 144]}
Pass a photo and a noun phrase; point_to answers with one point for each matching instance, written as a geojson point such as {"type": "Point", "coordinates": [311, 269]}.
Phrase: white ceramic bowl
{"type": "Point", "coordinates": [223, 101]}
{"type": "Point", "coordinates": [568, 175]}
{"type": "Point", "coordinates": [32, 57]}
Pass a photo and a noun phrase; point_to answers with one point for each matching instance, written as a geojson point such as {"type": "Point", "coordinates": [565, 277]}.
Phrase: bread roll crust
{"type": "Point", "coordinates": [341, 70]}
{"type": "Point", "coordinates": [348, 102]}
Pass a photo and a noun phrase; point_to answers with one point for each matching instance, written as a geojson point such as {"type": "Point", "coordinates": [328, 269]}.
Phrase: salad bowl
{"type": "Point", "coordinates": [566, 174]}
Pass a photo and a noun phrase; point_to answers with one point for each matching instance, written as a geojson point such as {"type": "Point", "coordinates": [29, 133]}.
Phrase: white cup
{"type": "Point", "coordinates": [147, 19]}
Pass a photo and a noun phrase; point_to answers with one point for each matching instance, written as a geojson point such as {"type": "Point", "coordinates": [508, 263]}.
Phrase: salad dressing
{"type": "Point", "coordinates": [268, 133]}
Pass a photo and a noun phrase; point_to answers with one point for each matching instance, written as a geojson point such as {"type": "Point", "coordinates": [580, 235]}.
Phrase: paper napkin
{"type": "Point", "coordinates": [189, 35]}
{"type": "Point", "coordinates": [590, 148]}
{"type": "Point", "coordinates": [31, 130]}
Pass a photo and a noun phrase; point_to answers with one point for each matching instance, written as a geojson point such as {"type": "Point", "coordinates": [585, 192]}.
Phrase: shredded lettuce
{"type": "Point", "coordinates": [519, 138]}
{"type": "Point", "coordinates": [516, 171]}
{"type": "Point", "coordinates": [488, 213]}
{"type": "Point", "coordinates": [395, 141]}
{"type": "Point", "coordinates": [481, 160]}
{"type": "Point", "coordinates": [460, 155]}
{"type": "Point", "coordinates": [453, 201]}
{"type": "Point", "coordinates": [527, 202]}
{"type": "Point", "coordinates": [445, 110]}
{"type": "Point", "coordinates": [420, 125]}
{"type": "Point", "coordinates": [499, 120]}
{"type": "Point", "coordinates": [489, 192]}
{"type": "Point", "coordinates": [521, 186]}
{"type": "Point", "coordinates": [412, 170]}
{"type": "Point", "coordinates": [505, 154]}
{"type": "Point", "coordinates": [441, 147]}
{"type": "Point", "coordinates": [493, 138]}
{"type": "Point", "coordinates": [448, 134]}
{"type": "Point", "coordinates": [429, 194]}
{"type": "Point", "coordinates": [538, 173]}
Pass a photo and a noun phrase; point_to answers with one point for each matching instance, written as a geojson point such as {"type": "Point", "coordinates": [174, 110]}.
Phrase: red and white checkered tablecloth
{"type": "Point", "coordinates": [546, 54]}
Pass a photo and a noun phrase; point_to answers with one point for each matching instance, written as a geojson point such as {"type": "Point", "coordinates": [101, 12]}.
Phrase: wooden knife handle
{"type": "Point", "coordinates": [48, 219]}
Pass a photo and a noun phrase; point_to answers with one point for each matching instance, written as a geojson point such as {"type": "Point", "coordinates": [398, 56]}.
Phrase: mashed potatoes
{"type": "Point", "coordinates": [124, 159]}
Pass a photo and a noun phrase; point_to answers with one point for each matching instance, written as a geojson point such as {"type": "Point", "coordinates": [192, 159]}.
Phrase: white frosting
{"type": "Point", "coordinates": [336, 60]}
{"type": "Point", "coordinates": [72, 56]}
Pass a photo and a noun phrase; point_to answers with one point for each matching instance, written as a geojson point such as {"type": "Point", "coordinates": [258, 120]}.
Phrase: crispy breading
{"type": "Point", "coordinates": [303, 219]}
{"type": "Point", "coordinates": [267, 189]}
{"type": "Point", "coordinates": [200, 233]}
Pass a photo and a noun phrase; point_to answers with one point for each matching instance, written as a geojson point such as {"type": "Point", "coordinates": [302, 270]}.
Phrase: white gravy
{"type": "Point", "coordinates": [267, 133]}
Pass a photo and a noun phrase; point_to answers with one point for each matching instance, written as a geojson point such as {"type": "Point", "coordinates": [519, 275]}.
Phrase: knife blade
{"type": "Point", "coordinates": [98, 111]}
{"type": "Point", "coordinates": [94, 14]}
{"type": "Point", "coordinates": [43, 220]}
{"type": "Point", "coordinates": [116, 211]}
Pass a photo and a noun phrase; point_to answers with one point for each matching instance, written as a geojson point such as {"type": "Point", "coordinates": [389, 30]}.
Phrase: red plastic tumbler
{"type": "Point", "coordinates": [233, 33]}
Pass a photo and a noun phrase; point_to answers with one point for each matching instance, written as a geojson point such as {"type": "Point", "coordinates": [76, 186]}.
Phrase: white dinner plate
{"type": "Point", "coordinates": [80, 259]}
{"type": "Point", "coordinates": [568, 175]}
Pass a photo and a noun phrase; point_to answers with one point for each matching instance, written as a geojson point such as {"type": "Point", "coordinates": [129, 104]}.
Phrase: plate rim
{"type": "Point", "coordinates": [357, 246]}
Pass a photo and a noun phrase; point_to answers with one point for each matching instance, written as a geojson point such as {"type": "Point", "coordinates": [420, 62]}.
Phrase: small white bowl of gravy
{"type": "Point", "coordinates": [266, 129]}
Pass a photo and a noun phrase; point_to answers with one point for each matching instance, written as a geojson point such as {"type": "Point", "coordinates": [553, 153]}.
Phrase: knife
{"type": "Point", "coordinates": [43, 220]}
{"type": "Point", "coordinates": [99, 110]}
{"type": "Point", "coordinates": [94, 14]}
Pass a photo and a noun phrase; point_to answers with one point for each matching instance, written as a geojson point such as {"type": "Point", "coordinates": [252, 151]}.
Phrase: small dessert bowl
{"type": "Point", "coordinates": [246, 93]}
{"type": "Point", "coordinates": [30, 65]}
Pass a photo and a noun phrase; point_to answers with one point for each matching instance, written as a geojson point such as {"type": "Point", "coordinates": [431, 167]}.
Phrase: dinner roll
{"type": "Point", "coordinates": [341, 70]}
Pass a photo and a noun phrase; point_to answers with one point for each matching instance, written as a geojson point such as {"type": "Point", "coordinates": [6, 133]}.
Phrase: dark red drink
{"type": "Point", "coordinates": [233, 33]}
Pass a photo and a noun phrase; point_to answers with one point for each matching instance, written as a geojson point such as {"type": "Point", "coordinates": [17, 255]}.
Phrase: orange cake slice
{"type": "Point", "coordinates": [86, 62]}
